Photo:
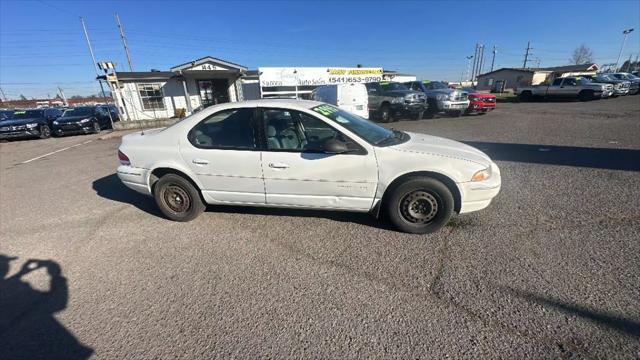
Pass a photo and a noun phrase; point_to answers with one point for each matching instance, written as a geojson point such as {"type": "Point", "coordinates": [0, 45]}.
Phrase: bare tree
{"type": "Point", "coordinates": [581, 55]}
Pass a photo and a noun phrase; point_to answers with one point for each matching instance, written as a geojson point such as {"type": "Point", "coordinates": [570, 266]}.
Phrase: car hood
{"type": "Point", "coordinates": [72, 119]}
{"type": "Point", "coordinates": [13, 122]}
{"type": "Point", "coordinates": [434, 145]}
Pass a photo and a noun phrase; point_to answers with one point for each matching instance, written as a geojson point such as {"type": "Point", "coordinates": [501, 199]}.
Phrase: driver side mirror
{"type": "Point", "coordinates": [333, 146]}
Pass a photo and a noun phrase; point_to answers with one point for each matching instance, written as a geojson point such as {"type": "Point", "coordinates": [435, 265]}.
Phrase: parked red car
{"type": "Point", "coordinates": [480, 103]}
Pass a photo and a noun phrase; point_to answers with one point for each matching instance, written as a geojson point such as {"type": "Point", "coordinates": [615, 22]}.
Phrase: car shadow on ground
{"type": "Point", "coordinates": [600, 158]}
{"type": "Point", "coordinates": [110, 187]}
{"type": "Point", "coordinates": [28, 327]}
{"type": "Point", "coordinates": [609, 320]}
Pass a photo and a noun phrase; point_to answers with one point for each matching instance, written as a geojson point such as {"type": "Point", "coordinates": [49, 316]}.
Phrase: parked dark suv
{"type": "Point", "coordinates": [29, 123]}
{"type": "Point", "coordinates": [83, 120]}
{"type": "Point", "coordinates": [391, 99]}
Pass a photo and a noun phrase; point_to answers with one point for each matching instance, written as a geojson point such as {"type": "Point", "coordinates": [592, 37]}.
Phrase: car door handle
{"type": "Point", "coordinates": [278, 166]}
{"type": "Point", "coordinates": [200, 162]}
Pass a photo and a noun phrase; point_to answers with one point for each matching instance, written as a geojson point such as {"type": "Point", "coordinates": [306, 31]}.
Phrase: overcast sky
{"type": "Point", "coordinates": [42, 45]}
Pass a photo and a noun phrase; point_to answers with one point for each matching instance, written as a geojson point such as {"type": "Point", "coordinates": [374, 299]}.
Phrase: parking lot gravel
{"type": "Point", "coordinates": [550, 270]}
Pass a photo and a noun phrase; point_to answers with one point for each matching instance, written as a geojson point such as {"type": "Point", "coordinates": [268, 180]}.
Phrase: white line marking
{"type": "Point", "coordinates": [53, 152]}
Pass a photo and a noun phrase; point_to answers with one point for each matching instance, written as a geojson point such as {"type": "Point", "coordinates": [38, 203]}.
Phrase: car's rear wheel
{"type": "Point", "coordinates": [178, 198]}
{"type": "Point", "coordinates": [385, 113]}
{"type": "Point", "coordinates": [420, 205]}
{"type": "Point", "coordinates": [525, 96]}
{"type": "Point", "coordinates": [45, 131]}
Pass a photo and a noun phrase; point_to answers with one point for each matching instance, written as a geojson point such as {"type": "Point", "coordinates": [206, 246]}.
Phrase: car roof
{"type": "Point", "coordinates": [289, 103]}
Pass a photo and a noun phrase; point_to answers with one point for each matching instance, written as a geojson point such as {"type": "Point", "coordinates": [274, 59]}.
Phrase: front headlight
{"type": "Point", "coordinates": [55, 122]}
{"type": "Point", "coordinates": [482, 175]}
{"type": "Point", "coordinates": [32, 126]}
{"type": "Point", "coordinates": [83, 121]}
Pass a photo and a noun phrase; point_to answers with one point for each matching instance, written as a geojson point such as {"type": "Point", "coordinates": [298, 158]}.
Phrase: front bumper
{"type": "Point", "coordinates": [478, 195]}
{"type": "Point", "coordinates": [452, 106]}
{"type": "Point", "coordinates": [73, 128]}
{"type": "Point", "coordinates": [480, 106]}
{"type": "Point", "coordinates": [16, 134]}
{"type": "Point", "coordinates": [135, 178]}
{"type": "Point", "coordinates": [411, 108]}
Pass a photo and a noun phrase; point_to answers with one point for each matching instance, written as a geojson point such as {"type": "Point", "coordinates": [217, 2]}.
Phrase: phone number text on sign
{"type": "Point", "coordinates": [353, 79]}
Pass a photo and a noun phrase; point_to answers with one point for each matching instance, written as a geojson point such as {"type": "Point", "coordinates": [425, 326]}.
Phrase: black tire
{"type": "Point", "coordinates": [525, 96]}
{"type": "Point", "coordinates": [45, 131]}
{"type": "Point", "coordinates": [420, 205]}
{"type": "Point", "coordinates": [178, 198]}
{"type": "Point", "coordinates": [585, 95]}
{"type": "Point", "coordinates": [96, 127]}
{"type": "Point", "coordinates": [417, 116]}
{"type": "Point", "coordinates": [385, 113]}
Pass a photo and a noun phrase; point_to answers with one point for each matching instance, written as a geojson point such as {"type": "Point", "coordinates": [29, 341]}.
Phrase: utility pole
{"type": "Point", "coordinates": [526, 55]}
{"type": "Point", "coordinates": [635, 65]}
{"type": "Point", "coordinates": [481, 60]}
{"type": "Point", "coordinates": [124, 42]}
{"type": "Point", "coordinates": [628, 67]}
{"type": "Point", "coordinates": [469, 67]}
{"type": "Point", "coordinates": [93, 58]}
{"type": "Point", "coordinates": [493, 58]}
{"type": "Point", "coordinates": [624, 39]}
{"type": "Point", "coordinates": [4, 97]}
{"type": "Point", "coordinates": [64, 98]}
{"type": "Point", "coordinates": [475, 63]}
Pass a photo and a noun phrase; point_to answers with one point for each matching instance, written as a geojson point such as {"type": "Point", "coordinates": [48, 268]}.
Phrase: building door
{"type": "Point", "coordinates": [212, 92]}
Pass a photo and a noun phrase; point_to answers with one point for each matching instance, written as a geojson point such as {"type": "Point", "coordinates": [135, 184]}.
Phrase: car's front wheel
{"type": "Point", "coordinates": [420, 205]}
{"type": "Point", "coordinates": [96, 127]}
{"type": "Point", "coordinates": [45, 132]}
{"type": "Point", "coordinates": [178, 198]}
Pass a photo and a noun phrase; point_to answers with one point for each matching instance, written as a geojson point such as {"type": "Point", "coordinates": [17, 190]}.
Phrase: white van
{"type": "Point", "coordinates": [350, 97]}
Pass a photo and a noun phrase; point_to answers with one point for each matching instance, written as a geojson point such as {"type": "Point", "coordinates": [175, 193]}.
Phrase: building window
{"type": "Point", "coordinates": [151, 96]}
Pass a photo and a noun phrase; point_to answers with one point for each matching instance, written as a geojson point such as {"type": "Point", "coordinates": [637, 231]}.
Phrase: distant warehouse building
{"type": "Point", "coordinates": [509, 79]}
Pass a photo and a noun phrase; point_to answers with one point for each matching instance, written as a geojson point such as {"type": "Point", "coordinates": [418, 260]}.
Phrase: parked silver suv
{"type": "Point", "coordinates": [441, 98]}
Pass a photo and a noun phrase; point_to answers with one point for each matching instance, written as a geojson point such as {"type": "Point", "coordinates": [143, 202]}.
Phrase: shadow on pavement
{"type": "Point", "coordinates": [28, 329]}
{"type": "Point", "coordinates": [110, 187]}
{"type": "Point", "coordinates": [609, 320]}
{"type": "Point", "coordinates": [600, 158]}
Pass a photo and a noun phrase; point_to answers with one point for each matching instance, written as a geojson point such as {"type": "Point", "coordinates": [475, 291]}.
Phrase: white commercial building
{"type": "Point", "coordinates": [165, 94]}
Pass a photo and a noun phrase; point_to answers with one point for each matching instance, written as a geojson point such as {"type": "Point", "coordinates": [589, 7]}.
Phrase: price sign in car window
{"type": "Point", "coordinates": [325, 110]}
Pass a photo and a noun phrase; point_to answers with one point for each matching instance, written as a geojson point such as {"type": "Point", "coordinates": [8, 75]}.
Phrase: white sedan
{"type": "Point", "coordinates": [305, 154]}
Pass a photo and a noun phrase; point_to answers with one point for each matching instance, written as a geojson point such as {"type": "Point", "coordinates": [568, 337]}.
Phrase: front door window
{"type": "Point", "coordinates": [214, 91]}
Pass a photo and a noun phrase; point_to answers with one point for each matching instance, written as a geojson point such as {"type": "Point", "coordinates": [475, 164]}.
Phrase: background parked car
{"type": "Point", "coordinates": [389, 100]}
{"type": "Point", "coordinates": [479, 103]}
{"type": "Point", "coordinates": [29, 123]}
{"type": "Point", "coordinates": [82, 120]}
{"type": "Point", "coordinates": [620, 87]}
{"type": "Point", "coordinates": [350, 97]}
{"type": "Point", "coordinates": [634, 87]}
{"type": "Point", "coordinates": [441, 98]}
{"type": "Point", "coordinates": [567, 87]}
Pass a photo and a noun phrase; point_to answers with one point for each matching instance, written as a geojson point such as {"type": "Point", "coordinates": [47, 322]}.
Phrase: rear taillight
{"type": "Point", "coordinates": [124, 159]}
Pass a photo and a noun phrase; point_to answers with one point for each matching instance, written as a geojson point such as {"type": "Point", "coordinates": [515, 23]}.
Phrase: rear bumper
{"type": "Point", "coordinates": [478, 195]}
{"type": "Point", "coordinates": [135, 178]}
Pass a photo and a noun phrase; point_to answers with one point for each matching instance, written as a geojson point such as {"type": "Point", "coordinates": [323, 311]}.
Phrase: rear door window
{"type": "Point", "coordinates": [228, 129]}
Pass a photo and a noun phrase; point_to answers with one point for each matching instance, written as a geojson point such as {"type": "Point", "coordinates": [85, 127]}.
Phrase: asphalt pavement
{"type": "Point", "coordinates": [550, 270]}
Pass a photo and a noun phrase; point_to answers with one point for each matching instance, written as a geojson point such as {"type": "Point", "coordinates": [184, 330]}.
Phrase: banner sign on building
{"type": "Point", "coordinates": [314, 76]}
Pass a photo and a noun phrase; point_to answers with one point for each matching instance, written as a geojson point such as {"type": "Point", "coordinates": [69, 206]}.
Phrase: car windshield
{"type": "Point", "coordinates": [367, 130]}
{"type": "Point", "coordinates": [438, 85]}
{"type": "Point", "coordinates": [632, 77]}
{"type": "Point", "coordinates": [79, 111]}
{"type": "Point", "coordinates": [28, 114]}
{"type": "Point", "coordinates": [393, 86]}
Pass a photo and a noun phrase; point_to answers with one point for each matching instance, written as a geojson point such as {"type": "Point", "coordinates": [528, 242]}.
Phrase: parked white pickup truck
{"type": "Point", "coordinates": [567, 87]}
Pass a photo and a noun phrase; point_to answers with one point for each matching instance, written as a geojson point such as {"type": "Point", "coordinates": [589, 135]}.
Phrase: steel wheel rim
{"type": "Point", "coordinates": [176, 198]}
{"type": "Point", "coordinates": [419, 207]}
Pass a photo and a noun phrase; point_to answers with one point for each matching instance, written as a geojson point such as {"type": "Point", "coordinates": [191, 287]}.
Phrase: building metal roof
{"type": "Point", "coordinates": [145, 75]}
{"type": "Point", "coordinates": [570, 68]}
